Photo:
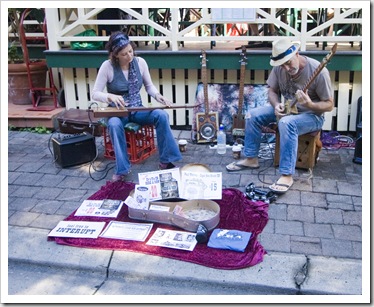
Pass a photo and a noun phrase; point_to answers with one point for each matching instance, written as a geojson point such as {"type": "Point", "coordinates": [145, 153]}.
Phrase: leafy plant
{"type": "Point", "coordinates": [40, 130]}
{"type": "Point", "coordinates": [14, 24]}
{"type": "Point", "coordinates": [13, 55]}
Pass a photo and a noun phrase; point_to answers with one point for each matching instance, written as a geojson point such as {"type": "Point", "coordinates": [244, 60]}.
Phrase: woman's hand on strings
{"type": "Point", "coordinates": [161, 99]}
{"type": "Point", "coordinates": [118, 101]}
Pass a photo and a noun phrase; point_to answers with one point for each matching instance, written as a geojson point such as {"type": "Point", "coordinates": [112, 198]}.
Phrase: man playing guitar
{"type": "Point", "coordinates": [291, 71]}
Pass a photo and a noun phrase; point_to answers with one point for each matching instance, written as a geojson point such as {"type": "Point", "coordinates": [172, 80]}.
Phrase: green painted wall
{"type": "Point", "coordinates": [257, 60]}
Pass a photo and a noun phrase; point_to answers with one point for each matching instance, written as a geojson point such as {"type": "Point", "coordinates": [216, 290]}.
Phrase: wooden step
{"type": "Point", "coordinates": [20, 116]}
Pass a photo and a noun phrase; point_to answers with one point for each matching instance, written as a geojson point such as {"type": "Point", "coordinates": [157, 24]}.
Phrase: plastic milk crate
{"type": "Point", "coordinates": [139, 139]}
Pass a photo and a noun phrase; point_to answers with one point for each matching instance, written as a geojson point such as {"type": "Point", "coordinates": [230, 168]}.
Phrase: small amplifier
{"type": "Point", "coordinates": [73, 150]}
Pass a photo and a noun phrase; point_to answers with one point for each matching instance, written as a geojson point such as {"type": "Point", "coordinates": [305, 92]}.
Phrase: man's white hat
{"type": "Point", "coordinates": [283, 50]}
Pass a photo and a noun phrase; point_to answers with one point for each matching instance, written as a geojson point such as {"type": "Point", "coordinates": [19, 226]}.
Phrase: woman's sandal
{"type": "Point", "coordinates": [235, 167]}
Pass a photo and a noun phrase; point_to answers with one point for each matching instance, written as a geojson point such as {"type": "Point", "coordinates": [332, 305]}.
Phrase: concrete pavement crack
{"type": "Point", "coordinates": [106, 275]}
{"type": "Point", "coordinates": [302, 274]}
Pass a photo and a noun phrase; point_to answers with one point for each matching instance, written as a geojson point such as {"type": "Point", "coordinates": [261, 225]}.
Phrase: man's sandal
{"type": "Point", "coordinates": [280, 191]}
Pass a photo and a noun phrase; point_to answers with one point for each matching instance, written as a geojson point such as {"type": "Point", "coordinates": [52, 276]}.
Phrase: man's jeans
{"type": "Point", "coordinates": [289, 127]}
{"type": "Point", "coordinates": [167, 147]}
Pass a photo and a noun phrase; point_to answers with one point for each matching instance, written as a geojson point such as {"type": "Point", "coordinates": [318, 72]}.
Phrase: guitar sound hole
{"type": "Point", "coordinates": [208, 131]}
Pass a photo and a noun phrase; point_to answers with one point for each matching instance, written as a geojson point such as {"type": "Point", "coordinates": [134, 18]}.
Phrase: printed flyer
{"type": "Point", "coordinates": [99, 208]}
{"type": "Point", "coordinates": [76, 229]}
{"type": "Point", "coordinates": [188, 185]}
{"type": "Point", "coordinates": [173, 239]}
{"type": "Point", "coordinates": [127, 231]}
{"type": "Point", "coordinates": [162, 184]}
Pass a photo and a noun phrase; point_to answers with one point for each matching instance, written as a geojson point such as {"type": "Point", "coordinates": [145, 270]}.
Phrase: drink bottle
{"type": "Point", "coordinates": [221, 140]}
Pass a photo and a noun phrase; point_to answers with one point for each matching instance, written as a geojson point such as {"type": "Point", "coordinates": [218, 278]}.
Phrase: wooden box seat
{"type": "Point", "coordinates": [309, 146]}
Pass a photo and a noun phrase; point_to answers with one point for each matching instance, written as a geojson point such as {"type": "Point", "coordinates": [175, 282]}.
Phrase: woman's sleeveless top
{"type": "Point", "coordinates": [129, 89]}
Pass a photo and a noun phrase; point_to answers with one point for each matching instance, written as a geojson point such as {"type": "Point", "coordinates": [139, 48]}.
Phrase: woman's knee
{"type": "Point", "coordinates": [115, 124]}
{"type": "Point", "coordinates": [160, 116]}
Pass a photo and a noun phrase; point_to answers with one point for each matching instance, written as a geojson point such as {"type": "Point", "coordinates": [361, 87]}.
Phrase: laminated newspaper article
{"type": "Point", "coordinates": [127, 231]}
{"type": "Point", "coordinates": [173, 239]}
{"type": "Point", "coordinates": [173, 183]}
{"type": "Point", "coordinates": [99, 208]}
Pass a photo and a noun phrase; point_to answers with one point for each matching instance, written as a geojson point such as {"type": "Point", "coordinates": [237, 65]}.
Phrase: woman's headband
{"type": "Point", "coordinates": [119, 42]}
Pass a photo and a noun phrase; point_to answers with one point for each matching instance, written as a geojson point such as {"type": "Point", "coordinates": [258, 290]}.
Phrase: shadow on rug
{"type": "Point", "coordinates": [237, 212]}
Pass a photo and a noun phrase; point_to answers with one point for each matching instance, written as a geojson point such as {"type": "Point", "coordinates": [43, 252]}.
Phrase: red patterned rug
{"type": "Point", "coordinates": [237, 212]}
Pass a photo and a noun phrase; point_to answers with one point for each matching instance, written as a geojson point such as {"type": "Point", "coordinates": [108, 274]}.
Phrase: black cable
{"type": "Point", "coordinates": [105, 169]}
{"type": "Point", "coordinates": [49, 148]}
{"type": "Point", "coordinates": [91, 123]}
{"type": "Point", "coordinates": [271, 151]}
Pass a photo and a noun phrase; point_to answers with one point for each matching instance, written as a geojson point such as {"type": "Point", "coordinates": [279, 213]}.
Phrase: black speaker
{"type": "Point", "coordinates": [73, 150]}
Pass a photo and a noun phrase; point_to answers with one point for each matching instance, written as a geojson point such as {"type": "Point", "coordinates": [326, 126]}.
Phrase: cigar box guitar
{"type": "Point", "coordinates": [290, 104]}
{"type": "Point", "coordinates": [238, 121]}
{"type": "Point", "coordinates": [122, 112]}
{"type": "Point", "coordinates": [207, 122]}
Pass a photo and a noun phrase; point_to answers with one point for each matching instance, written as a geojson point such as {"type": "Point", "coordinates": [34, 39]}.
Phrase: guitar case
{"type": "Point", "coordinates": [178, 211]}
{"type": "Point", "coordinates": [76, 121]}
{"type": "Point", "coordinates": [180, 218]}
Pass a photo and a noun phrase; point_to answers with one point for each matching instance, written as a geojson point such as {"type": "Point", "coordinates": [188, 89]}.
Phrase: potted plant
{"type": "Point", "coordinates": [18, 76]}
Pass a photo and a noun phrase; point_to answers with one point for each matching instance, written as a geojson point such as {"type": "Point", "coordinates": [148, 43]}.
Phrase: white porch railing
{"type": "Point", "coordinates": [178, 25]}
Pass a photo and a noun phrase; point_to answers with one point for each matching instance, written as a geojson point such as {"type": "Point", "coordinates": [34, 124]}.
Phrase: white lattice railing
{"type": "Point", "coordinates": [168, 25]}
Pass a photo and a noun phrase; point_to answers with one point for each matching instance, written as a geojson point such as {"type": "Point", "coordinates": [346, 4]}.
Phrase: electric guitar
{"type": "Point", "coordinates": [238, 121]}
{"type": "Point", "coordinates": [290, 105]}
{"type": "Point", "coordinates": [207, 122]}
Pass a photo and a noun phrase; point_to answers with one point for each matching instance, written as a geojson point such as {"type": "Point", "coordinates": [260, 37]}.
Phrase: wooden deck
{"type": "Point", "coordinates": [20, 117]}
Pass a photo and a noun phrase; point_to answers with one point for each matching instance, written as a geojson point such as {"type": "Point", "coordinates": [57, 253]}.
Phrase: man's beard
{"type": "Point", "coordinates": [294, 71]}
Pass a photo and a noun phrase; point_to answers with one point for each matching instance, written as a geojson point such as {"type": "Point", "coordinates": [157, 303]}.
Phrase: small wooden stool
{"type": "Point", "coordinates": [139, 139]}
{"type": "Point", "coordinates": [309, 146]}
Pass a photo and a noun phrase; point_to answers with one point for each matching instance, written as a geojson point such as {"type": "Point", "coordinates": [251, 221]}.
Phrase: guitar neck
{"type": "Point", "coordinates": [114, 112]}
{"type": "Point", "coordinates": [204, 78]}
{"type": "Point", "coordinates": [137, 109]}
{"type": "Point", "coordinates": [313, 77]}
{"type": "Point", "coordinates": [242, 77]}
{"type": "Point", "coordinates": [205, 84]}
{"type": "Point", "coordinates": [241, 88]}
{"type": "Point", "coordinates": [317, 71]}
